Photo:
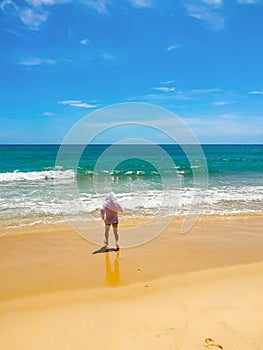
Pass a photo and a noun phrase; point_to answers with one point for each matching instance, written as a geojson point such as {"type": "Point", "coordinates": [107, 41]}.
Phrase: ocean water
{"type": "Point", "coordinates": [31, 181]}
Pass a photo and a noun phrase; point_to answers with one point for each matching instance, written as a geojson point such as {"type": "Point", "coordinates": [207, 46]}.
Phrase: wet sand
{"type": "Point", "coordinates": [195, 291]}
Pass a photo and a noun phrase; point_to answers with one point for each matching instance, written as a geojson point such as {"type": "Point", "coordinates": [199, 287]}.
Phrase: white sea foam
{"type": "Point", "coordinates": [31, 200]}
{"type": "Point", "coordinates": [36, 175]}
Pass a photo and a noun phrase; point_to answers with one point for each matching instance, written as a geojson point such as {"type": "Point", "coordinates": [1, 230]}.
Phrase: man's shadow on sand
{"type": "Point", "coordinates": [104, 250]}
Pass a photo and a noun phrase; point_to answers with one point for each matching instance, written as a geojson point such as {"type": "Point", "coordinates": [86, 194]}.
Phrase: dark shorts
{"type": "Point", "coordinates": [115, 224]}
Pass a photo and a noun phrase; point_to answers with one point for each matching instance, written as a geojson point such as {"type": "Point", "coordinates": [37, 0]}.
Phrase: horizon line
{"type": "Point", "coordinates": [107, 144]}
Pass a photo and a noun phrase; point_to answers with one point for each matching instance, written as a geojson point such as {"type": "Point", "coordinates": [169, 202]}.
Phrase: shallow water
{"type": "Point", "coordinates": [146, 183]}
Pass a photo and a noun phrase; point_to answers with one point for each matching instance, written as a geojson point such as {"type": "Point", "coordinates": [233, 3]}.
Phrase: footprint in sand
{"type": "Point", "coordinates": [139, 269]}
{"type": "Point", "coordinates": [148, 287]}
{"type": "Point", "coordinates": [165, 331]}
{"type": "Point", "coordinates": [209, 342]}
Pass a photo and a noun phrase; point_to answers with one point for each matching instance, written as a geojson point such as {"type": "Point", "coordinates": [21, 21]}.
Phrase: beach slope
{"type": "Point", "coordinates": [196, 291]}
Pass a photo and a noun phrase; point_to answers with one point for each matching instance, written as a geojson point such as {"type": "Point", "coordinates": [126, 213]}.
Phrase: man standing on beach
{"type": "Point", "coordinates": [109, 214]}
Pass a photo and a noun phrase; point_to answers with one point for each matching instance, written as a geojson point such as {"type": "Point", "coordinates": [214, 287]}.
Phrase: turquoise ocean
{"type": "Point", "coordinates": [30, 178]}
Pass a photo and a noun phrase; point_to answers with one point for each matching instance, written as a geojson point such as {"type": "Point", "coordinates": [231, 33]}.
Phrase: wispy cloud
{"type": "Point", "coordinates": [180, 95]}
{"type": "Point", "coordinates": [34, 13]}
{"type": "Point", "coordinates": [107, 56]}
{"type": "Point", "coordinates": [100, 6]}
{"type": "Point", "coordinates": [6, 3]}
{"type": "Point", "coordinates": [206, 11]}
{"type": "Point", "coordinates": [220, 103]}
{"type": "Point", "coordinates": [174, 47]}
{"type": "Point", "coordinates": [168, 82]}
{"type": "Point", "coordinates": [39, 3]}
{"type": "Point", "coordinates": [251, 2]}
{"type": "Point", "coordinates": [164, 88]}
{"type": "Point", "coordinates": [213, 2]}
{"type": "Point", "coordinates": [141, 3]}
{"type": "Point", "coordinates": [36, 61]}
{"type": "Point", "coordinates": [84, 41]}
{"type": "Point", "coordinates": [256, 92]}
{"type": "Point", "coordinates": [32, 19]}
{"type": "Point", "coordinates": [48, 114]}
{"type": "Point", "coordinates": [77, 103]}
{"type": "Point", "coordinates": [209, 11]}
{"type": "Point", "coordinates": [204, 91]}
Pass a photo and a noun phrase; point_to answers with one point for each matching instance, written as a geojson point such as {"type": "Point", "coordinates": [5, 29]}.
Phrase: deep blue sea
{"type": "Point", "coordinates": [31, 177]}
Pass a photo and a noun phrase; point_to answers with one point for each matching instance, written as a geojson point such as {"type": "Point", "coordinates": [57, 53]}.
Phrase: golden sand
{"type": "Point", "coordinates": [202, 290]}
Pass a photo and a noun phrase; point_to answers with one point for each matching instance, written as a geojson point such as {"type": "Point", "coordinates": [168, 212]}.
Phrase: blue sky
{"type": "Point", "coordinates": [62, 59]}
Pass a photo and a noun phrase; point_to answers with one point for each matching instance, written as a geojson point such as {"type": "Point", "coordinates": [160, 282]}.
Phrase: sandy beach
{"type": "Point", "coordinates": [196, 291]}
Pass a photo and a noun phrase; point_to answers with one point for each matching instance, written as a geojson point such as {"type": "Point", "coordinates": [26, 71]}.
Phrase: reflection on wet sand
{"type": "Point", "coordinates": [112, 274]}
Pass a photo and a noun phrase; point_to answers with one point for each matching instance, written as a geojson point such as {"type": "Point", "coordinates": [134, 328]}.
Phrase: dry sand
{"type": "Point", "coordinates": [202, 290]}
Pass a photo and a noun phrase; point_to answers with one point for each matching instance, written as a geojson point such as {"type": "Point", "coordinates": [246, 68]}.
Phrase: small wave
{"type": "Point", "coordinates": [29, 199]}
{"type": "Point", "coordinates": [89, 172]}
{"type": "Point", "coordinates": [36, 175]}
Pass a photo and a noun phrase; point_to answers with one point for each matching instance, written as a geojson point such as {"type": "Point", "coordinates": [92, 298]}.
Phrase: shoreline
{"type": "Point", "coordinates": [20, 223]}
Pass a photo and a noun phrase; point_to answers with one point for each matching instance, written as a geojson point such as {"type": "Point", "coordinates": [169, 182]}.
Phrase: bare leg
{"type": "Point", "coordinates": [107, 230]}
{"type": "Point", "coordinates": [115, 231]}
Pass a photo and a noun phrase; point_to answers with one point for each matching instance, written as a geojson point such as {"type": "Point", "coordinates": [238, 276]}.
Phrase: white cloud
{"type": "Point", "coordinates": [36, 61]}
{"type": "Point", "coordinates": [39, 3]}
{"type": "Point", "coordinates": [164, 88]}
{"type": "Point", "coordinates": [35, 13]}
{"type": "Point", "coordinates": [141, 3]}
{"type": "Point", "coordinates": [252, 2]}
{"type": "Point", "coordinates": [77, 103]}
{"type": "Point", "coordinates": [207, 12]}
{"type": "Point", "coordinates": [32, 19]}
{"type": "Point", "coordinates": [107, 56]}
{"type": "Point", "coordinates": [256, 93]}
{"type": "Point", "coordinates": [48, 114]}
{"type": "Point", "coordinates": [204, 91]}
{"type": "Point", "coordinates": [101, 6]}
{"type": "Point", "coordinates": [199, 95]}
{"type": "Point", "coordinates": [5, 3]}
{"type": "Point", "coordinates": [219, 103]}
{"type": "Point", "coordinates": [84, 41]}
{"type": "Point", "coordinates": [31, 16]}
{"type": "Point", "coordinates": [216, 3]}
{"type": "Point", "coordinates": [174, 47]}
{"type": "Point", "coordinates": [168, 82]}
